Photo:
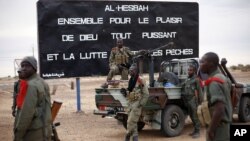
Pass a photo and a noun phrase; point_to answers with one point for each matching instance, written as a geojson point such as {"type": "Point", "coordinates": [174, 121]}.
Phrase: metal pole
{"type": "Point", "coordinates": [141, 66]}
{"type": "Point", "coordinates": [78, 94]}
{"type": "Point", "coordinates": [151, 71]}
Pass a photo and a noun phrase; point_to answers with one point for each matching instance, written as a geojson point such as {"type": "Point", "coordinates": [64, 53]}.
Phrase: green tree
{"type": "Point", "coordinates": [247, 67]}
{"type": "Point", "coordinates": [233, 67]}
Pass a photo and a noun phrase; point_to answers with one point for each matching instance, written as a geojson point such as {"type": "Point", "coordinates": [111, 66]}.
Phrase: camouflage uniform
{"type": "Point", "coordinates": [33, 119]}
{"type": "Point", "coordinates": [220, 92]}
{"type": "Point", "coordinates": [118, 58]}
{"type": "Point", "coordinates": [190, 86]}
{"type": "Point", "coordinates": [136, 99]}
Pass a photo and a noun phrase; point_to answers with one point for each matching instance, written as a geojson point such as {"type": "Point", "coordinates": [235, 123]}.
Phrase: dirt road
{"type": "Point", "coordinates": [84, 126]}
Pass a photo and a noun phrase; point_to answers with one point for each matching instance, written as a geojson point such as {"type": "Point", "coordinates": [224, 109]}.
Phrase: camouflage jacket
{"type": "Point", "coordinates": [119, 55]}
{"type": "Point", "coordinates": [35, 112]}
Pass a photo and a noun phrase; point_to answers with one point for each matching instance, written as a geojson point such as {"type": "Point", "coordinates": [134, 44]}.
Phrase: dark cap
{"type": "Point", "coordinates": [31, 60]}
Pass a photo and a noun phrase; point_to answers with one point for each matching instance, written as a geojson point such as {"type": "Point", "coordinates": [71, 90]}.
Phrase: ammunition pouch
{"type": "Point", "coordinates": [133, 96]}
{"type": "Point", "coordinates": [121, 59]}
{"type": "Point", "coordinates": [203, 111]}
{"type": "Point", "coordinates": [204, 114]}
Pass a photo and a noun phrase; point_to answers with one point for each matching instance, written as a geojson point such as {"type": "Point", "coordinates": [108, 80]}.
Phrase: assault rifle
{"type": "Point", "coordinates": [150, 55]}
{"type": "Point", "coordinates": [54, 111]}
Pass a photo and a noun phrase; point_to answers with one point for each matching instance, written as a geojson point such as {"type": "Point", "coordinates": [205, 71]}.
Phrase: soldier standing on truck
{"type": "Point", "coordinates": [137, 97]}
{"type": "Point", "coordinates": [191, 96]}
{"type": "Point", "coordinates": [217, 87]}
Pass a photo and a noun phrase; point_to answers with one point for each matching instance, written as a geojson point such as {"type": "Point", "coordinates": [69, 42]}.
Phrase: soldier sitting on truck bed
{"type": "Point", "coordinates": [119, 61]}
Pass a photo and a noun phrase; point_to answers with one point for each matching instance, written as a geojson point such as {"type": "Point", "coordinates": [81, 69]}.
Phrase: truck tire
{"type": "Point", "coordinates": [173, 120]}
{"type": "Point", "coordinates": [244, 109]}
{"type": "Point", "coordinates": [140, 124]}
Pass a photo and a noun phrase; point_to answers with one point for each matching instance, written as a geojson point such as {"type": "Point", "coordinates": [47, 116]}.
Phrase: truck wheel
{"type": "Point", "coordinates": [140, 124]}
{"type": "Point", "coordinates": [173, 120]}
{"type": "Point", "coordinates": [244, 109]}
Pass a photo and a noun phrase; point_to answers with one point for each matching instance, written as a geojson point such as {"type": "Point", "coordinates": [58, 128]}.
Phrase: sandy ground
{"type": "Point", "coordinates": [84, 125]}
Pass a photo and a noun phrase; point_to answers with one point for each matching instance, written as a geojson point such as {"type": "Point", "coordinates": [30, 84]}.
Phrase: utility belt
{"type": "Point", "coordinates": [133, 96]}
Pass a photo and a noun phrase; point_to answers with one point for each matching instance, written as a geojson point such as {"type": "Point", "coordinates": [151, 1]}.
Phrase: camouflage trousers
{"type": "Point", "coordinates": [222, 133]}
{"type": "Point", "coordinates": [134, 113]}
{"type": "Point", "coordinates": [192, 104]}
{"type": "Point", "coordinates": [115, 70]}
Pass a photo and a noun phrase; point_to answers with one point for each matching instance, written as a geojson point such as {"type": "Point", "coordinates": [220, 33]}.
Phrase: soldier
{"type": "Point", "coordinates": [119, 60]}
{"type": "Point", "coordinates": [33, 119]}
{"type": "Point", "coordinates": [217, 88]}
{"type": "Point", "coordinates": [192, 90]}
{"type": "Point", "coordinates": [137, 97]}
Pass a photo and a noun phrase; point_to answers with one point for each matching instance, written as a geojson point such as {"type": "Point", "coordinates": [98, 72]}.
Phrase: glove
{"type": "Point", "coordinates": [123, 91]}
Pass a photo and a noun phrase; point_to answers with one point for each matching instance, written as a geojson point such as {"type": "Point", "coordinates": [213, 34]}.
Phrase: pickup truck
{"type": "Point", "coordinates": [165, 108]}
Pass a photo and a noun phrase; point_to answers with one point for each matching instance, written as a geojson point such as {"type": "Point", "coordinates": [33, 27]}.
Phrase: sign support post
{"type": "Point", "coordinates": [78, 96]}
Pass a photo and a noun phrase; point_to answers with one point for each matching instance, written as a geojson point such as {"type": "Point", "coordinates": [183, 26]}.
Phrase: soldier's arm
{"type": "Point", "coordinates": [27, 112]}
{"type": "Point", "coordinates": [129, 52]}
{"type": "Point", "coordinates": [199, 93]}
{"type": "Point", "coordinates": [218, 102]}
{"type": "Point", "coordinates": [216, 117]}
{"type": "Point", "coordinates": [15, 91]}
{"type": "Point", "coordinates": [112, 57]}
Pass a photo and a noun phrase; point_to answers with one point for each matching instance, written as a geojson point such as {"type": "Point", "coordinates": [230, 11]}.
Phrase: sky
{"type": "Point", "coordinates": [224, 28]}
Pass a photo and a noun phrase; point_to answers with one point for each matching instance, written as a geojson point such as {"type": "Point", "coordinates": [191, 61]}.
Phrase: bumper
{"type": "Point", "coordinates": [103, 113]}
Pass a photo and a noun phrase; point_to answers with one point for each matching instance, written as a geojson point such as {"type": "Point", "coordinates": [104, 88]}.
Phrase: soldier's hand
{"type": "Point", "coordinates": [14, 113]}
{"type": "Point", "coordinates": [120, 67]}
{"type": "Point", "coordinates": [123, 91]}
{"type": "Point", "coordinates": [210, 134]}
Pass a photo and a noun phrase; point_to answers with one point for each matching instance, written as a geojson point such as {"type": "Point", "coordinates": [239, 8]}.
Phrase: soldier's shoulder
{"type": "Point", "coordinates": [141, 80]}
{"type": "Point", "coordinates": [222, 78]}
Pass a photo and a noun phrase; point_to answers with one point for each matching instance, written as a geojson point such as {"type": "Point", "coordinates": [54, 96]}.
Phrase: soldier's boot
{"type": "Point", "coordinates": [135, 138]}
{"type": "Point", "coordinates": [127, 137]}
{"type": "Point", "coordinates": [104, 85]}
{"type": "Point", "coordinates": [191, 134]}
{"type": "Point", "coordinates": [196, 134]}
